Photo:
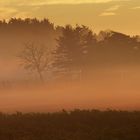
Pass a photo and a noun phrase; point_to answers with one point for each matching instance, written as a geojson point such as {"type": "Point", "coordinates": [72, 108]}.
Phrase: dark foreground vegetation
{"type": "Point", "coordinates": [74, 125]}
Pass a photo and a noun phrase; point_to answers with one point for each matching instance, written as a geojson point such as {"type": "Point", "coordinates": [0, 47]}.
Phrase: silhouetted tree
{"type": "Point", "coordinates": [36, 58]}
{"type": "Point", "coordinates": [116, 48]}
{"type": "Point", "coordinates": [72, 49]}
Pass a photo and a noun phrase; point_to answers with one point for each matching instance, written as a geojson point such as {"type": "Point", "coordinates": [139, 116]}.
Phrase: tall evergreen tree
{"type": "Point", "coordinates": [72, 49]}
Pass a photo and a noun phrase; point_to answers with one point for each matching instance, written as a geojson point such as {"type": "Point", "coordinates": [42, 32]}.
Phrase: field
{"type": "Point", "coordinates": [71, 125]}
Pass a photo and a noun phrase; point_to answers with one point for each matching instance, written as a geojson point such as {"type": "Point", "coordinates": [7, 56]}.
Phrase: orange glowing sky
{"type": "Point", "coordinates": [119, 15]}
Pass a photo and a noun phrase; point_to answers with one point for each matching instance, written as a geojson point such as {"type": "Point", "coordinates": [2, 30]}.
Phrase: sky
{"type": "Point", "coordinates": [118, 15]}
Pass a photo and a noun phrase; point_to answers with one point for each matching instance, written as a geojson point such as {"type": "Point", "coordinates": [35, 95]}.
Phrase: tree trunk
{"type": "Point", "coordinates": [41, 77]}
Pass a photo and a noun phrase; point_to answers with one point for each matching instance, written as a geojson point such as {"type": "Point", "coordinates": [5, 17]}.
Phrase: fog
{"type": "Point", "coordinates": [114, 88]}
{"type": "Point", "coordinates": [97, 73]}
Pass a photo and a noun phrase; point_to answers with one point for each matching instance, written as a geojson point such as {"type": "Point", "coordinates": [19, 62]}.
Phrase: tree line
{"type": "Point", "coordinates": [27, 23]}
{"type": "Point", "coordinates": [79, 50]}
{"type": "Point", "coordinates": [76, 51]}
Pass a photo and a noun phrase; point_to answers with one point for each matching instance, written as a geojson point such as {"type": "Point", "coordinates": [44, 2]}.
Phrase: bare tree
{"type": "Point", "coordinates": [35, 58]}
